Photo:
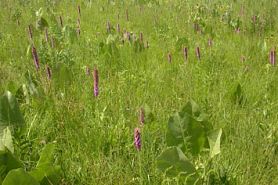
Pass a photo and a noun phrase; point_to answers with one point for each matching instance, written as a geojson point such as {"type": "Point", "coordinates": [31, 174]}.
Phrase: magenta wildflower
{"type": "Point", "coordinates": [272, 57]}
{"type": "Point", "coordinates": [137, 139]}
{"type": "Point", "coordinates": [48, 72]}
{"type": "Point", "coordinates": [96, 92]}
{"type": "Point", "coordinates": [169, 56]}
{"type": "Point", "coordinates": [36, 58]}
{"type": "Point", "coordinates": [30, 32]}
{"type": "Point", "coordinates": [198, 53]}
{"type": "Point", "coordinates": [141, 116]}
{"type": "Point", "coordinates": [61, 21]}
{"type": "Point", "coordinates": [185, 53]}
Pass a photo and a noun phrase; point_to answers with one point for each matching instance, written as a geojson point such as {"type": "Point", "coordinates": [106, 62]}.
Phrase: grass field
{"type": "Point", "coordinates": [234, 82]}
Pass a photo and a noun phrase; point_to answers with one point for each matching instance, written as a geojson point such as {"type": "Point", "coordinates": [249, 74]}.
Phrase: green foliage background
{"type": "Point", "coordinates": [233, 83]}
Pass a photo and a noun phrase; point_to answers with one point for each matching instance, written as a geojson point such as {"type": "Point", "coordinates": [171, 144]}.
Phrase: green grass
{"type": "Point", "coordinates": [94, 136]}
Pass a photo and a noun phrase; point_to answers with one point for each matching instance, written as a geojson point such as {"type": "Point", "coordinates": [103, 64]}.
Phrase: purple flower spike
{"type": "Point", "coordinates": [169, 57]}
{"type": "Point", "coordinates": [96, 92]}
{"type": "Point", "coordinates": [272, 57]}
{"type": "Point", "coordinates": [48, 72]}
{"type": "Point", "coordinates": [198, 53]}
{"type": "Point", "coordinates": [61, 21]}
{"type": "Point", "coordinates": [36, 58]}
{"type": "Point", "coordinates": [185, 53]}
{"type": "Point", "coordinates": [137, 139]}
{"type": "Point", "coordinates": [142, 116]}
{"type": "Point", "coordinates": [30, 32]}
{"type": "Point", "coordinates": [79, 11]}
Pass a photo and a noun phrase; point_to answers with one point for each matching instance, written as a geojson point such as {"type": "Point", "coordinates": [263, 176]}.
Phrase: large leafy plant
{"type": "Point", "coordinates": [189, 133]}
{"type": "Point", "coordinates": [11, 169]}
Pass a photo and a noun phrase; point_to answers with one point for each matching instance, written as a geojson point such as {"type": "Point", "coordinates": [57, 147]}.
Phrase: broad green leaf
{"type": "Point", "coordinates": [6, 140]}
{"type": "Point", "coordinates": [7, 162]}
{"type": "Point", "coordinates": [9, 111]}
{"type": "Point", "coordinates": [19, 177]}
{"type": "Point", "coordinates": [173, 162]}
{"type": "Point", "coordinates": [214, 138]}
{"type": "Point", "coordinates": [47, 174]}
{"type": "Point", "coordinates": [186, 131]}
{"type": "Point", "coordinates": [47, 155]}
{"type": "Point", "coordinates": [41, 23]}
{"type": "Point", "coordinates": [32, 85]}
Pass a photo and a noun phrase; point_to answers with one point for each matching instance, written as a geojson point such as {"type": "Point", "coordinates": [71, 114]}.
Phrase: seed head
{"type": "Point", "coordinates": [198, 53]}
{"type": "Point", "coordinates": [88, 71]}
{"type": "Point", "coordinates": [118, 28]}
{"type": "Point", "coordinates": [46, 35]}
{"type": "Point", "coordinates": [210, 42]}
{"type": "Point", "coordinates": [61, 21]}
{"type": "Point", "coordinates": [30, 32]}
{"type": "Point", "coordinates": [48, 72]}
{"type": "Point", "coordinates": [169, 56]}
{"type": "Point", "coordinates": [35, 58]}
{"type": "Point", "coordinates": [126, 14]}
{"type": "Point", "coordinates": [142, 116]}
{"type": "Point", "coordinates": [79, 11]}
{"type": "Point", "coordinates": [141, 37]}
{"type": "Point", "coordinates": [108, 27]}
{"type": "Point", "coordinates": [185, 53]}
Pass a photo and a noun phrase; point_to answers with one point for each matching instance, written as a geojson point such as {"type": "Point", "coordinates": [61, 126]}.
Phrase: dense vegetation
{"type": "Point", "coordinates": [80, 80]}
